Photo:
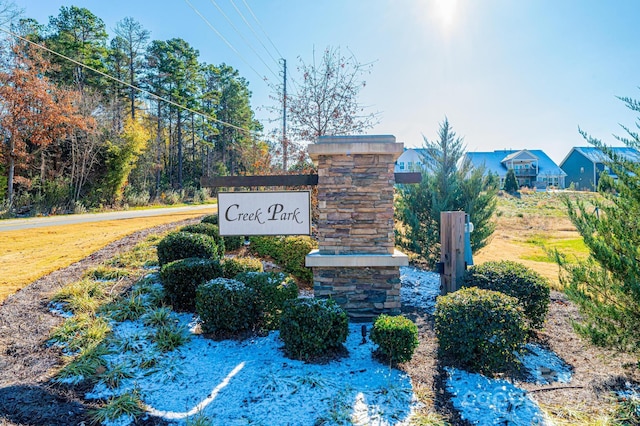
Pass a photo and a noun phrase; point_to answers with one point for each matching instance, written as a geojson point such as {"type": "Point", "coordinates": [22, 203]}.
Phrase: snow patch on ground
{"type": "Point", "coordinates": [544, 365]}
{"type": "Point", "coordinates": [420, 288]}
{"type": "Point", "coordinates": [251, 381]}
{"type": "Point", "coordinates": [483, 401]}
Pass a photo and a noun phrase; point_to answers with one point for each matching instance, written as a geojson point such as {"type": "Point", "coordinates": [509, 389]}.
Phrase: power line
{"type": "Point", "coordinates": [255, 18]}
{"type": "Point", "coordinates": [255, 34]}
{"type": "Point", "coordinates": [243, 38]}
{"type": "Point", "coordinates": [261, 27]}
{"type": "Point", "coordinates": [264, 78]}
{"type": "Point", "coordinates": [153, 95]}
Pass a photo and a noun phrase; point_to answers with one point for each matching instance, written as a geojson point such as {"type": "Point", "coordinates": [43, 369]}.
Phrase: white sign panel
{"type": "Point", "coordinates": [264, 213]}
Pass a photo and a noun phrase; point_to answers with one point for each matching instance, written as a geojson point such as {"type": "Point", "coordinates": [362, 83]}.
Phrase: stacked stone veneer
{"type": "Point", "coordinates": [356, 263]}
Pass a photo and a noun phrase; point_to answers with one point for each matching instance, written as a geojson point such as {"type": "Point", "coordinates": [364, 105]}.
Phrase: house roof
{"type": "Point", "coordinates": [493, 161]}
{"type": "Point", "coordinates": [595, 155]}
{"type": "Point", "coordinates": [524, 154]}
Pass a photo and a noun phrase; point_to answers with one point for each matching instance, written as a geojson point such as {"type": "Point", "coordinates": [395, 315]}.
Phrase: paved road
{"type": "Point", "coordinates": [39, 222]}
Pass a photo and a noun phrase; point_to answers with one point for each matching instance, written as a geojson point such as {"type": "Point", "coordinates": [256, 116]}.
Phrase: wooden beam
{"type": "Point", "coordinates": [246, 181]}
{"type": "Point", "coordinates": [284, 180]}
{"type": "Point", "coordinates": [410, 177]}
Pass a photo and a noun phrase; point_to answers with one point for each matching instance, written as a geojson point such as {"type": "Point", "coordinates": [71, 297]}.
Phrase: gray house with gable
{"type": "Point", "coordinates": [584, 165]}
{"type": "Point", "coordinates": [533, 168]}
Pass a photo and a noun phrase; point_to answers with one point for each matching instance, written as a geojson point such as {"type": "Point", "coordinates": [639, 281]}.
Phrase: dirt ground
{"type": "Point", "coordinates": [27, 364]}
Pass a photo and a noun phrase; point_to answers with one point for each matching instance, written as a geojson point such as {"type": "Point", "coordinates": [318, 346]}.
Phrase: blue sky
{"type": "Point", "coordinates": [508, 74]}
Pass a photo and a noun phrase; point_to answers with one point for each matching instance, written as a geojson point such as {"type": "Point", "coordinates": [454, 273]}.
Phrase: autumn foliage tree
{"type": "Point", "coordinates": [34, 114]}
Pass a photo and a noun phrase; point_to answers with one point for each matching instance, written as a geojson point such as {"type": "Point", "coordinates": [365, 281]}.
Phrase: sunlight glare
{"type": "Point", "coordinates": [445, 12]}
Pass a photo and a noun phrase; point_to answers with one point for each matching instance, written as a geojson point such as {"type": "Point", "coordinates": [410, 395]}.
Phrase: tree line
{"type": "Point", "coordinates": [88, 120]}
{"type": "Point", "coordinates": [73, 136]}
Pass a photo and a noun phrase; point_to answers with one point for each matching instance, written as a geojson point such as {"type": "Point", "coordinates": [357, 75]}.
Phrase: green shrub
{"type": "Point", "coordinates": [226, 306]}
{"type": "Point", "coordinates": [233, 242]}
{"type": "Point", "coordinates": [212, 219]}
{"type": "Point", "coordinates": [236, 265]}
{"type": "Point", "coordinates": [207, 229]}
{"type": "Point", "coordinates": [396, 337]}
{"type": "Point", "coordinates": [182, 277]}
{"type": "Point", "coordinates": [273, 289]}
{"type": "Point", "coordinates": [516, 280]}
{"type": "Point", "coordinates": [312, 327]}
{"type": "Point", "coordinates": [288, 252]}
{"type": "Point", "coordinates": [182, 245]}
{"type": "Point", "coordinates": [480, 330]}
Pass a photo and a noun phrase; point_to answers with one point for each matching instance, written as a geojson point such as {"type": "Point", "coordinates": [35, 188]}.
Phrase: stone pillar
{"type": "Point", "coordinates": [356, 263]}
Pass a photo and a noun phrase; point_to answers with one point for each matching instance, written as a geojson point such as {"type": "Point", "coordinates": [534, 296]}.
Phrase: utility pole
{"type": "Point", "coordinates": [284, 117]}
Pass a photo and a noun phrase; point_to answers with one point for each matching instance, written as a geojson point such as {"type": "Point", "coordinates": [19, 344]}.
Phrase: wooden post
{"type": "Point", "coordinates": [451, 250]}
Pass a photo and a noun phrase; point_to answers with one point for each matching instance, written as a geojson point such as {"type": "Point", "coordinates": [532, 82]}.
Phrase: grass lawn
{"type": "Point", "coordinates": [27, 255]}
{"type": "Point", "coordinates": [531, 225]}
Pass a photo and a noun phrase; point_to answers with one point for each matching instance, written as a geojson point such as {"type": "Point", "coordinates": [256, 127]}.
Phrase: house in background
{"type": "Point", "coordinates": [411, 160]}
{"type": "Point", "coordinates": [584, 165]}
{"type": "Point", "coordinates": [533, 168]}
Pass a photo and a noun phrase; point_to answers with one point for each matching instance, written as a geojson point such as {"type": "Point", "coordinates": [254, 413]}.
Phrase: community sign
{"type": "Point", "coordinates": [264, 213]}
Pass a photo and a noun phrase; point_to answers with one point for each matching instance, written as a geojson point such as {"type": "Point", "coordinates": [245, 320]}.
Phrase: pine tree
{"type": "Point", "coordinates": [606, 286]}
{"type": "Point", "coordinates": [510, 182]}
{"type": "Point", "coordinates": [449, 184]}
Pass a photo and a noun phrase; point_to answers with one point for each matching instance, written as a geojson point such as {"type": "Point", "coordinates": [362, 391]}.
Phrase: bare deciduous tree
{"type": "Point", "coordinates": [326, 100]}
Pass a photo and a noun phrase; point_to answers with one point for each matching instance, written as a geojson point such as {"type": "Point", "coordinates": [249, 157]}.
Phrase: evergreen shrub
{"type": "Point", "coordinates": [233, 242]}
{"type": "Point", "coordinates": [182, 277]}
{"type": "Point", "coordinates": [212, 219]}
{"type": "Point", "coordinates": [207, 229]}
{"type": "Point", "coordinates": [235, 265]}
{"type": "Point", "coordinates": [480, 330]}
{"type": "Point", "coordinates": [288, 252]}
{"type": "Point", "coordinates": [182, 245]}
{"type": "Point", "coordinates": [514, 279]}
{"type": "Point", "coordinates": [226, 306]}
{"type": "Point", "coordinates": [310, 328]}
{"type": "Point", "coordinates": [273, 289]}
{"type": "Point", "coordinates": [396, 337]}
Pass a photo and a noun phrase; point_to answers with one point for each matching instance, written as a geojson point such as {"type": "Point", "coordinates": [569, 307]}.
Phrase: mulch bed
{"type": "Point", "coordinates": [27, 397]}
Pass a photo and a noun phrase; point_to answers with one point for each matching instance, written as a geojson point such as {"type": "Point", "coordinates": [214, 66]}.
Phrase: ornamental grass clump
{"type": "Point", "coordinates": [226, 306]}
{"type": "Point", "coordinates": [516, 280]}
{"type": "Point", "coordinates": [396, 337]}
{"type": "Point", "coordinates": [182, 245]}
{"type": "Point", "coordinates": [311, 328]}
{"type": "Point", "coordinates": [182, 277]}
{"type": "Point", "coordinates": [480, 330]}
{"type": "Point", "coordinates": [273, 289]}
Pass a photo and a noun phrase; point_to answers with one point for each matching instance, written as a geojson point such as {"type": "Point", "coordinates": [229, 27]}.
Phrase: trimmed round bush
{"type": "Point", "coordinates": [480, 330]}
{"type": "Point", "coordinates": [182, 245]}
{"type": "Point", "coordinates": [310, 328]}
{"type": "Point", "coordinates": [396, 337]}
{"type": "Point", "coordinates": [226, 306]}
{"type": "Point", "coordinates": [207, 229]}
{"type": "Point", "coordinates": [182, 277]}
{"type": "Point", "coordinates": [236, 265]}
{"type": "Point", "coordinates": [211, 218]}
{"type": "Point", "coordinates": [273, 289]}
{"type": "Point", "coordinates": [514, 279]}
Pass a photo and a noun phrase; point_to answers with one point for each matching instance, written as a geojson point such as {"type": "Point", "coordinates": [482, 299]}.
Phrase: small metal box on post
{"type": "Point", "coordinates": [452, 251]}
